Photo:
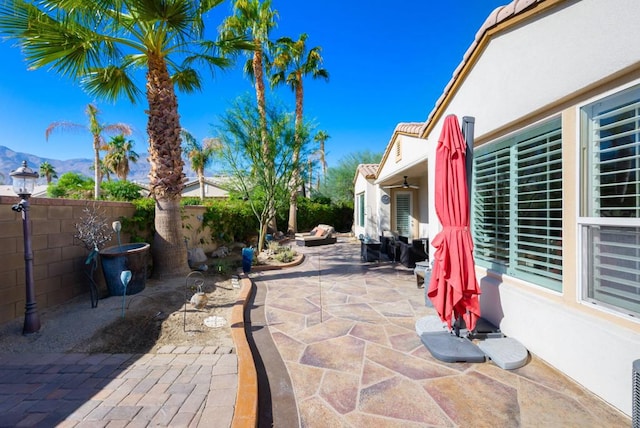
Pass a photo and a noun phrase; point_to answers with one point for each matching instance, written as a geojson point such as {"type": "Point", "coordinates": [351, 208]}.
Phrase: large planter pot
{"type": "Point", "coordinates": [116, 259]}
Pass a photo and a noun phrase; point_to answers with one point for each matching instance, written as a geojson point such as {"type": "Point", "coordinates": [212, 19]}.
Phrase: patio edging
{"type": "Point", "coordinates": [246, 407]}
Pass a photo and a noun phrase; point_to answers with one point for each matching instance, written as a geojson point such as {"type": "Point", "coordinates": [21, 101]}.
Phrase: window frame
{"type": "Point", "coordinates": [529, 256]}
{"type": "Point", "coordinates": [360, 198]}
{"type": "Point", "coordinates": [588, 220]}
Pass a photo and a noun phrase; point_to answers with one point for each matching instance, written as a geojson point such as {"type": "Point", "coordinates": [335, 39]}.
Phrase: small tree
{"type": "Point", "coordinates": [199, 155]}
{"type": "Point", "coordinates": [119, 154]}
{"type": "Point", "coordinates": [97, 129]}
{"type": "Point", "coordinates": [339, 180]}
{"type": "Point", "coordinates": [48, 171]}
{"type": "Point", "coordinates": [257, 178]}
{"type": "Point", "coordinates": [72, 186]}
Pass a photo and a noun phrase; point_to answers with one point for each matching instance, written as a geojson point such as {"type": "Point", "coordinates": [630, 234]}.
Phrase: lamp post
{"type": "Point", "coordinates": [24, 180]}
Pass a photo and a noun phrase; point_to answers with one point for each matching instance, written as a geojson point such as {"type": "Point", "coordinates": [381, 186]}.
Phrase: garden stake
{"type": "Point", "coordinates": [198, 283]}
{"type": "Point", "coordinates": [125, 277]}
{"type": "Point", "coordinates": [117, 227]}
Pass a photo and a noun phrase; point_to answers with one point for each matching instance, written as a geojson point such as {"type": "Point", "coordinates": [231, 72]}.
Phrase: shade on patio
{"type": "Point", "coordinates": [453, 288]}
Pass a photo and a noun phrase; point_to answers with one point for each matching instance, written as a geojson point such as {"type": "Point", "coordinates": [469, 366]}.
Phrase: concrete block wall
{"type": "Point", "coordinates": [58, 257]}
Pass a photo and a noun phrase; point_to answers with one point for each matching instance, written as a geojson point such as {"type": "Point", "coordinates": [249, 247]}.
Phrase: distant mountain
{"type": "Point", "coordinates": [10, 160]}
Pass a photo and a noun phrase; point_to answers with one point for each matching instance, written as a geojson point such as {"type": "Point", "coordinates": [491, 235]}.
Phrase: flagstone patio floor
{"type": "Point", "coordinates": [348, 356]}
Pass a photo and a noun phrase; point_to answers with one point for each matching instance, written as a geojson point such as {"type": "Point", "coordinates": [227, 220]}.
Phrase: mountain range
{"type": "Point", "coordinates": [10, 160]}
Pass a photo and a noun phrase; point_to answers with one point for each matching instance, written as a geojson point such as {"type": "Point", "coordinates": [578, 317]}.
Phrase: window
{"type": "Point", "coordinates": [517, 205]}
{"type": "Point", "coordinates": [610, 207]}
{"type": "Point", "coordinates": [361, 213]}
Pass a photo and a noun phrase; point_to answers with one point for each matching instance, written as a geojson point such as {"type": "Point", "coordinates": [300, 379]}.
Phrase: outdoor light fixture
{"type": "Point", "coordinates": [24, 181]}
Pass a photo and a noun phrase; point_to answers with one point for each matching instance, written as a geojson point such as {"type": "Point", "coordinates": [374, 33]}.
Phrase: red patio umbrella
{"type": "Point", "coordinates": [453, 288]}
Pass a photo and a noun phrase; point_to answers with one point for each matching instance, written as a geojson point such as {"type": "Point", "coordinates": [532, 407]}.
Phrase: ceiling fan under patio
{"type": "Point", "coordinates": [405, 185]}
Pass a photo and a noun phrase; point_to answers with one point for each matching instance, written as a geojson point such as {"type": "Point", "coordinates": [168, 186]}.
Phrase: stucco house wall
{"type": "Point", "coordinates": [363, 185]}
{"type": "Point", "coordinates": [548, 61]}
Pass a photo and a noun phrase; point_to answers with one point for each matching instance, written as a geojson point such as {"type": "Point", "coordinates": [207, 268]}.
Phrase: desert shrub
{"type": "Point", "coordinates": [285, 255]}
{"type": "Point", "coordinates": [190, 201]}
{"type": "Point", "coordinates": [120, 191]}
{"type": "Point", "coordinates": [312, 213]}
{"type": "Point", "coordinates": [231, 220]}
{"type": "Point", "coordinates": [71, 185]}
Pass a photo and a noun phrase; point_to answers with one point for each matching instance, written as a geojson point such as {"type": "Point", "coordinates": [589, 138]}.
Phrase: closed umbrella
{"type": "Point", "coordinates": [453, 288]}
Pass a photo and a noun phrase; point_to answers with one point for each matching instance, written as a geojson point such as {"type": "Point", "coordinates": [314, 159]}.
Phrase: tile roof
{"type": "Point", "coordinates": [368, 170]}
{"type": "Point", "coordinates": [409, 128]}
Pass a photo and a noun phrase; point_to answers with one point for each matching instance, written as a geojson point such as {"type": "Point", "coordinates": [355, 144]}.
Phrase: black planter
{"type": "Point", "coordinates": [116, 259]}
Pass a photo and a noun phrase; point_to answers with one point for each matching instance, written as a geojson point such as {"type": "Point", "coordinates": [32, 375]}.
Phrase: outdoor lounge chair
{"type": "Point", "coordinates": [320, 235]}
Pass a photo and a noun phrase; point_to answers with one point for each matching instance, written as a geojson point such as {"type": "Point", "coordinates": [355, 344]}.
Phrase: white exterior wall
{"type": "Point", "coordinates": [414, 150]}
{"type": "Point", "coordinates": [370, 211]}
{"type": "Point", "coordinates": [529, 69]}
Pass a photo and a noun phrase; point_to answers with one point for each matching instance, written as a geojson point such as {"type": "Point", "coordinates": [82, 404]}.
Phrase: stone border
{"type": "Point", "coordinates": [246, 409]}
{"type": "Point", "coordinates": [296, 262]}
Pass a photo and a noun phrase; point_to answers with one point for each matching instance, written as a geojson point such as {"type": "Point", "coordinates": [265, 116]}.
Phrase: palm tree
{"type": "Point", "coordinates": [321, 137]}
{"type": "Point", "coordinates": [119, 154]}
{"type": "Point", "coordinates": [199, 154]}
{"type": "Point", "coordinates": [291, 63]}
{"type": "Point", "coordinates": [254, 19]}
{"type": "Point", "coordinates": [96, 129]}
{"type": "Point", "coordinates": [107, 46]}
{"type": "Point", "coordinates": [48, 171]}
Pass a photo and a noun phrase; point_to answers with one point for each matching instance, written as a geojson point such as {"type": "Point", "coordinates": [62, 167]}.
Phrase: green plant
{"type": "Point", "coordinates": [71, 185]}
{"type": "Point", "coordinates": [285, 255]}
{"type": "Point", "coordinates": [230, 220]}
{"type": "Point", "coordinates": [120, 191]}
{"type": "Point", "coordinates": [140, 226]}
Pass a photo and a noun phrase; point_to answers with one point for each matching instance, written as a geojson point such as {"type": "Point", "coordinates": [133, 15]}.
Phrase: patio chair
{"type": "Point", "coordinates": [320, 235]}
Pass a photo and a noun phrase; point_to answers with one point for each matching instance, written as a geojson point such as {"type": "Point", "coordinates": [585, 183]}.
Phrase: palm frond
{"type": "Point", "coordinates": [111, 83]}
{"type": "Point", "coordinates": [187, 80]}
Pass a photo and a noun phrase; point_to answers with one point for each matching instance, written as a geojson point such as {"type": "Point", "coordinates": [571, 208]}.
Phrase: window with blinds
{"type": "Point", "coordinates": [517, 205]}
{"type": "Point", "coordinates": [403, 214]}
{"type": "Point", "coordinates": [610, 215]}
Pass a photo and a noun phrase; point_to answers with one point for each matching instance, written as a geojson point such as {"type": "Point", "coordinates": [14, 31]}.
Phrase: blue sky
{"type": "Point", "coordinates": [388, 63]}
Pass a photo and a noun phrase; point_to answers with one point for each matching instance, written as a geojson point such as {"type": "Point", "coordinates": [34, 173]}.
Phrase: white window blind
{"type": "Point", "coordinates": [517, 205]}
{"type": "Point", "coordinates": [610, 222]}
{"type": "Point", "coordinates": [403, 207]}
{"type": "Point", "coordinates": [361, 212]}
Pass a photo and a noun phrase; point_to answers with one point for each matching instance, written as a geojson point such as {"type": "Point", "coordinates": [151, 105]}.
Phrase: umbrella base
{"type": "Point", "coordinates": [452, 349]}
{"type": "Point", "coordinates": [505, 352]}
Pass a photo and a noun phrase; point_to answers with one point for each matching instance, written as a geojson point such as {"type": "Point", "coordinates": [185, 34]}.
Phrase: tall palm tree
{"type": "Point", "coordinates": [119, 154]}
{"type": "Point", "coordinates": [292, 62]}
{"type": "Point", "coordinates": [199, 154]}
{"type": "Point", "coordinates": [106, 45]}
{"type": "Point", "coordinates": [254, 19]}
{"type": "Point", "coordinates": [96, 128]}
{"type": "Point", "coordinates": [321, 137]}
{"type": "Point", "coordinates": [48, 171]}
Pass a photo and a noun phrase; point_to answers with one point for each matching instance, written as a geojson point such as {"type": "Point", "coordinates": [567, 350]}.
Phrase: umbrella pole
{"type": "Point", "coordinates": [468, 124]}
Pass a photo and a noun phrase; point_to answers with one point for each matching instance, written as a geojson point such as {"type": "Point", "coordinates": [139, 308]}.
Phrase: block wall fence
{"type": "Point", "coordinates": [58, 258]}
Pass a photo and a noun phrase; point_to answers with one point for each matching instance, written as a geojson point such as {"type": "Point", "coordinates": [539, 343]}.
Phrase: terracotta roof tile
{"type": "Point", "coordinates": [368, 170]}
{"type": "Point", "coordinates": [411, 128]}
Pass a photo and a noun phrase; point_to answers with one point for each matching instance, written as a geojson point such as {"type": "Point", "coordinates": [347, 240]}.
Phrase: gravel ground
{"type": "Point", "coordinates": [154, 317]}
